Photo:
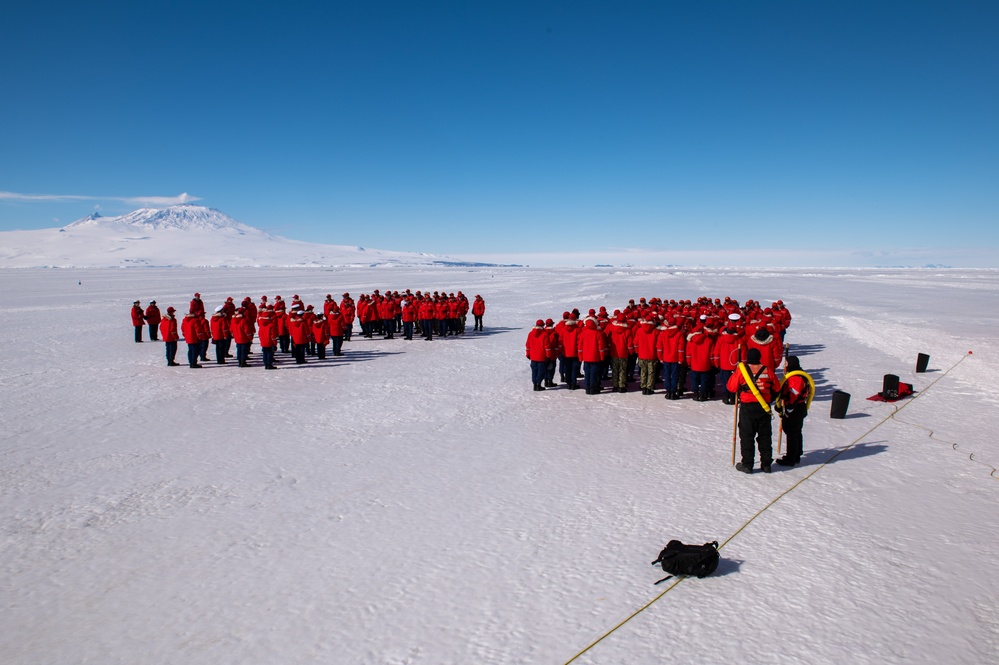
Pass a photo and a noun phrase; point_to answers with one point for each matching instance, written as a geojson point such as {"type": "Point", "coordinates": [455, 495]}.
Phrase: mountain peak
{"type": "Point", "coordinates": [184, 217]}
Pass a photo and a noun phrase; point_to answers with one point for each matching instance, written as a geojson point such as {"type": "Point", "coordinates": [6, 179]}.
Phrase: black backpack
{"type": "Point", "coordinates": [679, 559]}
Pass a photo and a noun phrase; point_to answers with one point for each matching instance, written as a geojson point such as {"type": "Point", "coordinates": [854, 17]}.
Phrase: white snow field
{"type": "Point", "coordinates": [417, 502]}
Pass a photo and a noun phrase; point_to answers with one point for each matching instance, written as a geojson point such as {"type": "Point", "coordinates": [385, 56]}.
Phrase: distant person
{"type": "Point", "coordinates": [168, 331]}
{"type": "Point", "coordinates": [320, 335]}
{"type": "Point", "coordinates": [153, 318]}
{"type": "Point", "coordinates": [645, 349]}
{"type": "Point", "coordinates": [554, 342]}
{"type": "Point", "coordinates": [569, 351]}
{"type": "Point", "coordinates": [197, 306]}
{"type": "Point", "coordinates": [338, 327]}
{"type": "Point", "coordinates": [348, 310]}
{"type": "Point", "coordinates": [591, 348]}
{"type": "Point", "coordinates": [620, 341]}
{"type": "Point", "coordinates": [204, 335]}
{"type": "Point", "coordinates": [671, 346]}
{"type": "Point", "coordinates": [537, 350]}
{"type": "Point", "coordinates": [755, 395]}
{"type": "Point", "coordinates": [242, 336]}
{"type": "Point", "coordinates": [793, 408]}
{"type": "Point", "coordinates": [138, 320]}
{"type": "Point", "coordinates": [189, 329]}
{"type": "Point", "coordinates": [220, 334]}
{"type": "Point", "coordinates": [267, 335]}
{"type": "Point", "coordinates": [299, 336]}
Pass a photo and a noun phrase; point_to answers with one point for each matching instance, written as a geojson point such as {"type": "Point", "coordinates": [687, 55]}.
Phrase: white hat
{"type": "Point", "coordinates": [219, 308]}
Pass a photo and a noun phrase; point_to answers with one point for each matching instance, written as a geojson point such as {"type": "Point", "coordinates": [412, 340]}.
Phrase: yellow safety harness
{"type": "Point", "coordinates": [811, 385]}
{"type": "Point", "coordinates": [752, 387]}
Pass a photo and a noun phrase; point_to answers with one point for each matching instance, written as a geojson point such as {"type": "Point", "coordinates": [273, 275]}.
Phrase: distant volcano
{"type": "Point", "coordinates": [183, 235]}
{"type": "Point", "coordinates": [180, 217]}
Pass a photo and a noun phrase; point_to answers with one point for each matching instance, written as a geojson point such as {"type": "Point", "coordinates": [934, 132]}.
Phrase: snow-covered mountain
{"type": "Point", "coordinates": [182, 235]}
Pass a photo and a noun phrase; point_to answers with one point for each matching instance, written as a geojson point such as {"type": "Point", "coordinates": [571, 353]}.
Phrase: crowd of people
{"type": "Point", "coordinates": [680, 344]}
{"type": "Point", "coordinates": [302, 330]}
{"type": "Point", "coordinates": [705, 347]}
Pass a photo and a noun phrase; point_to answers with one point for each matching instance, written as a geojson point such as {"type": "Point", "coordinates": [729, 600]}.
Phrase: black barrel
{"type": "Point", "coordinates": [889, 387]}
{"type": "Point", "coordinates": [922, 360]}
{"type": "Point", "coordinates": [840, 403]}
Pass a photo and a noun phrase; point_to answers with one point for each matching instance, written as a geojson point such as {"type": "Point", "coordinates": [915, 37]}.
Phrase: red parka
{"type": "Point", "coordinates": [220, 326]}
{"type": "Point", "coordinates": [618, 339]}
{"type": "Point", "coordinates": [153, 316]}
{"type": "Point", "coordinates": [240, 329]}
{"type": "Point", "coordinates": [570, 339]}
{"type": "Point", "coordinates": [766, 383]}
{"type": "Point", "coordinates": [671, 344]}
{"type": "Point", "coordinates": [729, 350]}
{"type": "Point", "coordinates": [189, 328]}
{"type": "Point", "coordinates": [591, 345]}
{"type": "Point", "coordinates": [138, 318]}
{"type": "Point", "coordinates": [168, 329]}
{"type": "Point", "coordinates": [267, 329]}
{"type": "Point", "coordinates": [299, 331]}
{"type": "Point", "coordinates": [699, 346]}
{"type": "Point", "coordinates": [645, 341]}
{"type": "Point", "coordinates": [538, 345]}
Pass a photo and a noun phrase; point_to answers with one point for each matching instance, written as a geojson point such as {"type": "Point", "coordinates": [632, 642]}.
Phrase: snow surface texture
{"type": "Point", "coordinates": [417, 502]}
{"type": "Point", "coordinates": [182, 235]}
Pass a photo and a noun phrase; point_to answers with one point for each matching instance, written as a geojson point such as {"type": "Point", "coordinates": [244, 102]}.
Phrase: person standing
{"type": "Point", "coordinates": [267, 335]}
{"type": "Point", "coordinates": [335, 320]}
{"type": "Point", "coordinates": [197, 306]}
{"type": "Point", "coordinates": [538, 349]}
{"type": "Point", "coordinates": [727, 355]}
{"type": "Point", "coordinates": [569, 351]}
{"type": "Point", "coordinates": [204, 335]}
{"type": "Point", "coordinates": [168, 331]}
{"type": "Point", "coordinates": [478, 311]}
{"type": "Point", "coordinates": [299, 336]}
{"type": "Point", "coordinates": [138, 320]}
{"type": "Point", "coordinates": [755, 388]}
{"type": "Point", "coordinates": [241, 336]}
{"type": "Point", "coordinates": [153, 318]}
{"type": "Point", "coordinates": [554, 343]}
{"type": "Point", "coordinates": [347, 310]}
{"type": "Point", "coordinates": [792, 405]}
{"type": "Point", "coordinates": [189, 328]}
{"type": "Point", "coordinates": [619, 342]}
{"type": "Point", "coordinates": [645, 348]}
{"type": "Point", "coordinates": [320, 335]}
{"type": "Point", "coordinates": [410, 313]}
{"type": "Point", "coordinates": [671, 345]}
{"type": "Point", "coordinates": [220, 334]}
{"type": "Point", "coordinates": [698, 355]}
{"type": "Point", "coordinates": [592, 352]}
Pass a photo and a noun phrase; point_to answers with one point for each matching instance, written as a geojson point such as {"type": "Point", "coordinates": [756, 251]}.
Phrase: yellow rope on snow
{"type": "Point", "coordinates": [775, 500]}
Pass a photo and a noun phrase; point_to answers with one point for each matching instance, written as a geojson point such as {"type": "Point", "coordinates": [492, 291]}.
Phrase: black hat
{"type": "Point", "coordinates": [793, 364]}
{"type": "Point", "coordinates": [753, 356]}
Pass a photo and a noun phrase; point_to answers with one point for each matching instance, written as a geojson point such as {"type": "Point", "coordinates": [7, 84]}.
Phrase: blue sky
{"type": "Point", "coordinates": [792, 132]}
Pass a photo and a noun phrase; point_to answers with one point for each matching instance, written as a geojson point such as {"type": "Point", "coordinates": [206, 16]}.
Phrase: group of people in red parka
{"type": "Point", "coordinates": [299, 329]}
{"type": "Point", "coordinates": [679, 343]}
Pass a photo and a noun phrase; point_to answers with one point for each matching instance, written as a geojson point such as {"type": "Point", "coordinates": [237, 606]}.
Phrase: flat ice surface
{"type": "Point", "coordinates": [417, 502]}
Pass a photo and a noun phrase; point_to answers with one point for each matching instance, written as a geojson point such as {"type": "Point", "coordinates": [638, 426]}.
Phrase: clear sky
{"type": "Point", "coordinates": [789, 130]}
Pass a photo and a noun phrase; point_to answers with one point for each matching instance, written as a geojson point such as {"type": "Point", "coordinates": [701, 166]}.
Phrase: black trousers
{"type": "Point", "coordinates": [754, 423]}
{"type": "Point", "coordinates": [792, 425]}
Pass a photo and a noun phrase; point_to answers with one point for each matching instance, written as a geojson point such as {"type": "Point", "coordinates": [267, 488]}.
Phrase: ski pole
{"type": "Point", "coordinates": [735, 425]}
{"type": "Point", "coordinates": [780, 433]}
